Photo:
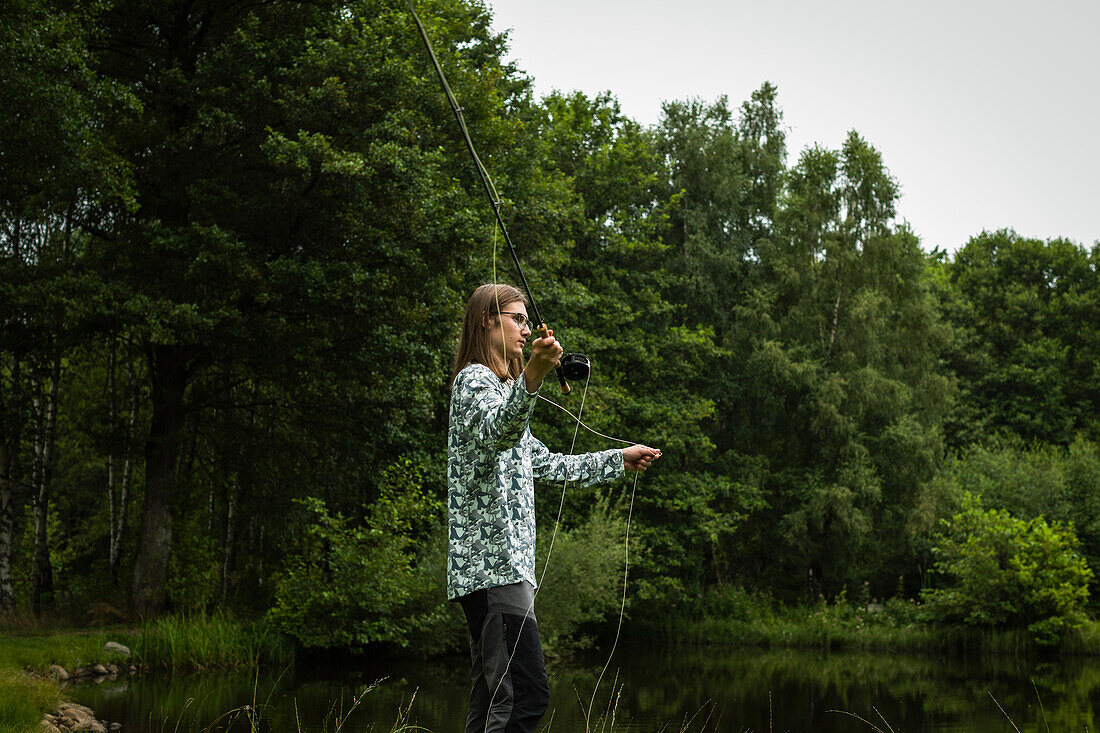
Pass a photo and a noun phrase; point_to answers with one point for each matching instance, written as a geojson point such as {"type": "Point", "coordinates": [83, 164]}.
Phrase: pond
{"type": "Point", "coordinates": [668, 688]}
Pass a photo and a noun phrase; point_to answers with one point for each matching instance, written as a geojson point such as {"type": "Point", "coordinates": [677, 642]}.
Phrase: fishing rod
{"type": "Point", "coordinates": [574, 367]}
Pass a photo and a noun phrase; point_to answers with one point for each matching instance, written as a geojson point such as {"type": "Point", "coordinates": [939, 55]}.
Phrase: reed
{"type": "Point", "coordinates": [204, 642]}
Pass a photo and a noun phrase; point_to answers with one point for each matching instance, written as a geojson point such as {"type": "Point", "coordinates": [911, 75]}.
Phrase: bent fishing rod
{"type": "Point", "coordinates": [573, 367]}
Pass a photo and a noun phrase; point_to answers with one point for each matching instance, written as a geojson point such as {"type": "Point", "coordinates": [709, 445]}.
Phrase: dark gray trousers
{"type": "Point", "coordinates": [510, 691]}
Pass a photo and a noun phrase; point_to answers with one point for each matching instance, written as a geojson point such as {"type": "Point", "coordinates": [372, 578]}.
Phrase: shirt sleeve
{"type": "Point", "coordinates": [586, 469]}
{"type": "Point", "coordinates": [496, 418]}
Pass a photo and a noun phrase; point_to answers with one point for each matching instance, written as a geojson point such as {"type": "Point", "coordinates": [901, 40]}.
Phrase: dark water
{"type": "Point", "coordinates": [662, 689]}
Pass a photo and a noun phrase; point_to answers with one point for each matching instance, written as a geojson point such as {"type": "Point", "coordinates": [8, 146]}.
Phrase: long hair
{"type": "Point", "coordinates": [480, 326]}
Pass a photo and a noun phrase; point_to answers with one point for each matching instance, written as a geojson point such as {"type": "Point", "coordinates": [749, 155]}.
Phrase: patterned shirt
{"type": "Point", "coordinates": [492, 462]}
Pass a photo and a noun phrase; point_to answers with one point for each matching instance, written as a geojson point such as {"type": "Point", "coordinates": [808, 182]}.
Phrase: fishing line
{"type": "Point", "coordinates": [626, 544]}
{"type": "Point", "coordinates": [561, 506]}
{"type": "Point", "coordinates": [550, 551]}
{"type": "Point", "coordinates": [578, 419]}
{"type": "Point", "coordinates": [500, 320]}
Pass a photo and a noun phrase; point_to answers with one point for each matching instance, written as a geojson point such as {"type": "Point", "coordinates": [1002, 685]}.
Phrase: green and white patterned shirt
{"type": "Point", "coordinates": [492, 462]}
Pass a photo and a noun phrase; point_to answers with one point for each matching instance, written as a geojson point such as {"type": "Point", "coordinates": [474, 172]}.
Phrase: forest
{"type": "Point", "coordinates": [236, 239]}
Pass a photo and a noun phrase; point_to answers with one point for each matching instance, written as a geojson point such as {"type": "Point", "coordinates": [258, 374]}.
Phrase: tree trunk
{"type": "Point", "coordinates": [41, 572]}
{"type": "Point", "coordinates": [127, 474]}
{"type": "Point", "coordinates": [227, 555]}
{"type": "Point", "coordinates": [170, 374]}
{"type": "Point", "coordinates": [7, 516]}
{"type": "Point", "coordinates": [120, 510]}
{"type": "Point", "coordinates": [260, 556]}
{"type": "Point", "coordinates": [10, 437]}
{"type": "Point", "coordinates": [112, 539]}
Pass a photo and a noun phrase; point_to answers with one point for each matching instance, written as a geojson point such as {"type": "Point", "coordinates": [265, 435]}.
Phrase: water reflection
{"type": "Point", "coordinates": [716, 689]}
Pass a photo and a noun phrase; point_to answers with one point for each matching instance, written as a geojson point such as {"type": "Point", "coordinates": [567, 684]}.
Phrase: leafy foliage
{"type": "Point", "coordinates": [352, 583]}
{"type": "Point", "coordinates": [582, 583]}
{"type": "Point", "coordinates": [1027, 352]}
{"type": "Point", "coordinates": [1060, 484]}
{"type": "Point", "coordinates": [1005, 571]}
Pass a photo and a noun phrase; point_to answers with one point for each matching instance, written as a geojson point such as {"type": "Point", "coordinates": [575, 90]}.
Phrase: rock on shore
{"type": "Point", "coordinates": [75, 718]}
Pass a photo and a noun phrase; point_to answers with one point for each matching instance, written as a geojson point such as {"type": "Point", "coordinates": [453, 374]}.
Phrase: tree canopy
{"type": "Point", "coordinates": [236, 240]}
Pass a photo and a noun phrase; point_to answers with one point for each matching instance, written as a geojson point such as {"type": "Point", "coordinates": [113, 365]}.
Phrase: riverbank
{"type": "Point", "coordinates": [25, 700]}
{"type": "Point", "coordinates": [32, 664]}
{"type": "Point", "coordinates": [895, 626]}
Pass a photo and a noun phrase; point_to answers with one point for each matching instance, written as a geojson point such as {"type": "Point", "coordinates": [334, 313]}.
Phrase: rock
{"type": "Point", "coordinates": [133, 669]}
{"type": "Point", "coordinates": [57, 672]}
{"type": "Point", "coordinates": [99, 669]}
{"type": "Point", "coordinates": [114, 646]}
{"type": "Point", "coordinates": [112, 668]}
{"type": "Point", "coordinates": [115, 726]}
{"type": "Point", "coordinates": [80, 719]}
{"type": "Point", "coordinates": [48, 727]}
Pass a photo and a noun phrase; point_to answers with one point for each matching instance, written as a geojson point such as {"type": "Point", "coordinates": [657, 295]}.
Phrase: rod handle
{"type": "Point", "coordinates": [565, 388]}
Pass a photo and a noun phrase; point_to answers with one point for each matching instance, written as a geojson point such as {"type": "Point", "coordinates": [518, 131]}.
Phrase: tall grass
{"type": "Point", "coordinates": [203, 642]}
{"type": "Point", "coordinates": [844, 626]}
{"type": "Point", "coordinates": [22, 701]}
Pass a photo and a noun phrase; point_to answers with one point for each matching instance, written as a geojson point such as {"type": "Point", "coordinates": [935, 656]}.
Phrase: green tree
{"type": "Point", "coordinates": [59, 170]}
{"type": "Point", "coordinates": [298, 213]}
{"type": "Point", "coordinates": [842, 395]}
{"type": "Point", "coordinates": [653, 362]}
{"type": "Point", "coordinates": [1026, 360]}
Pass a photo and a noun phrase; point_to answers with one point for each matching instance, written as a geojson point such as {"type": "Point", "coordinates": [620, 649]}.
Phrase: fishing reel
{"type": "Point", "coordinates": [576, 367]}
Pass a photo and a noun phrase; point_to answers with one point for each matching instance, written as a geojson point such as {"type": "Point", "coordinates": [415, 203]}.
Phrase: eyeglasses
{"type": "Point", "coordinates": [520, 319]}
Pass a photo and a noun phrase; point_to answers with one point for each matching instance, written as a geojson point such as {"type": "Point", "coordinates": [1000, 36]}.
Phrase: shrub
{"type": "Point", "coordinates": [347, 586]}
{"type": "Point", "coordinates": [354, 582]}
{"type": "Point", "coordinates": [1059, 483]}
{"type": "Point", "coordinates": [583, 584]}
{"type": "Point", "coordinates": [1008, 572]}
{"type": "Point", "coordinates": [735, 602]}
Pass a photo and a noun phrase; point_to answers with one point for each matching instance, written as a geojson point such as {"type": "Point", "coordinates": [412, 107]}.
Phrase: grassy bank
{"type": "Point", "coordinates": [70, 649]}
{"type": "Point", "coordinates": [175, 643]}
{"type": "Point", "coordinates": [892, 627]}
{"type": "Point", "coordinates": [23, 700]}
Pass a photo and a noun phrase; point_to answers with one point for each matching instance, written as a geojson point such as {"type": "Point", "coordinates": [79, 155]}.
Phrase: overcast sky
{"type": "Point", "coordinates": [985, 112]}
